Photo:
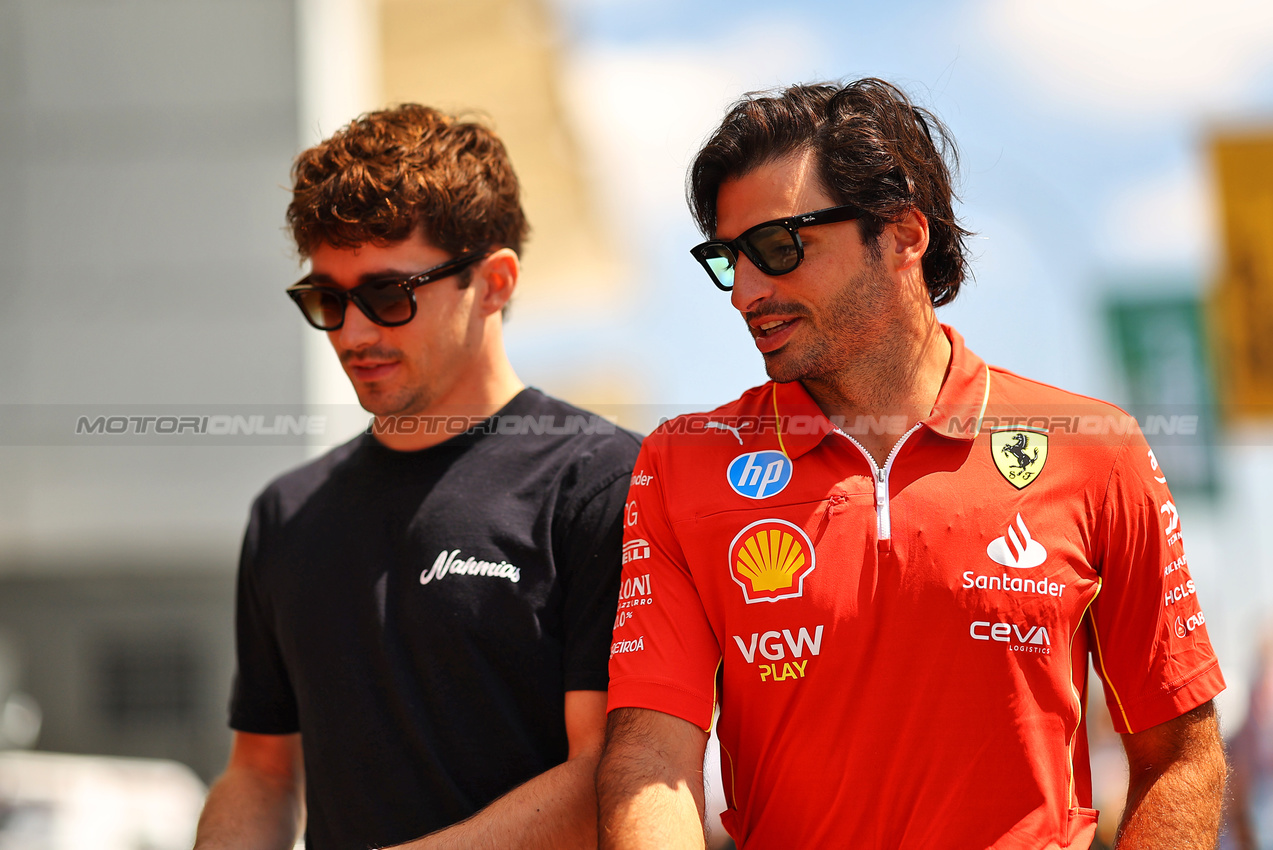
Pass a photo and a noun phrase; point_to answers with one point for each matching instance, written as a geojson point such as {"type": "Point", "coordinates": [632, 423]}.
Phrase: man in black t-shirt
{"type": "Point", "coordinates": [424, 613]}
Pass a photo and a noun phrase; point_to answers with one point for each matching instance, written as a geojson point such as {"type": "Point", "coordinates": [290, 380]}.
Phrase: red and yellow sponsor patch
{"type": "Point", "coordinates": [769, 560]}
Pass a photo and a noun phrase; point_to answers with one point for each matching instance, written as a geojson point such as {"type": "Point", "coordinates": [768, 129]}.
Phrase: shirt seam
{"type": "Point", "coordinates": [1178, 685]}
{"type": "Point", "coordinates": [669, 684]}
{"type": "Point", "coordinates": [1109, 481]}
{"type": "Point", "coordinates": [607, 483]}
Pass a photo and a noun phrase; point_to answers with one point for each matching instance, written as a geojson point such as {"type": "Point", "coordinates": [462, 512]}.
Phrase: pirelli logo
{"type": "Point", "coordinates": [636, 550]}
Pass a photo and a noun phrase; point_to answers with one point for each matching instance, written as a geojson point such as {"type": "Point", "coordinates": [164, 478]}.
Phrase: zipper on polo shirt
{"type": "Point", "coordinates": [883, 522]}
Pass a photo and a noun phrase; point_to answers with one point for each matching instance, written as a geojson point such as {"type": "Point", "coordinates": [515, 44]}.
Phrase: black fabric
{"type": "Point", "coordinates": [419, 703]}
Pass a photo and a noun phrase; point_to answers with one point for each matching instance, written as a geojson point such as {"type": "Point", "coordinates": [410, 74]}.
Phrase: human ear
{"type": "Point", "coordinates": [499, 274]}
{"type": "Point", "coordinates": [909, 239]}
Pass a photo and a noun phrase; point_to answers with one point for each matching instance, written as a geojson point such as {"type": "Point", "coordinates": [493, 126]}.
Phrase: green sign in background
{"type": "Point", "coordinates": [1162, 347]}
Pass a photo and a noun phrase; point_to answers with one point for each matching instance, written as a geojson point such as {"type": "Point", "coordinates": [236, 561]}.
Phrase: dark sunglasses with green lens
{"type": "Point", "coordinates": [774, 247]}
{"type": "Point", "coordinates": [389, 301]}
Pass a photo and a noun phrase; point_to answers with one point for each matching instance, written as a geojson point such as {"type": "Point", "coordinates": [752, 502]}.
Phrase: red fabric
{"type": "Point", "coordinates": [893, 693]}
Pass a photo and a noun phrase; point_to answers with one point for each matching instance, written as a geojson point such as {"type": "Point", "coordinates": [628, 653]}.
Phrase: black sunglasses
{"type": "Point", "coordinates": [389, 302]}
{"type": "Point", "coordinates": [774, 247]}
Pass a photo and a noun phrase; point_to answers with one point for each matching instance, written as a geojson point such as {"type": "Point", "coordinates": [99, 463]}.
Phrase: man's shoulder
{"type": "Point", "coordinates": [566, 427]}
{"type": "Point", "coordinates": [1094, 433]}
{"type": "Point", "coordinates": [299, 483]}
{"type": "Point", "coordinates": [1014, 396]}
{"type": "Point", "coordinates": [733, 424]}
{"type": "Point", "coordinates": [574, 452]}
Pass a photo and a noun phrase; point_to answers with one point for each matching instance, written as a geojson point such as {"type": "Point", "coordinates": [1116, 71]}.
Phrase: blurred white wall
{"type": "Point", "coordinates": [144, 151]}
{"type": "Point", "coordinates": [143, 147]}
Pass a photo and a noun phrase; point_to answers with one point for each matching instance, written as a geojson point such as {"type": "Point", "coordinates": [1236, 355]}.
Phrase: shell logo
{"type": "Point", "coordinates": [769, 560]}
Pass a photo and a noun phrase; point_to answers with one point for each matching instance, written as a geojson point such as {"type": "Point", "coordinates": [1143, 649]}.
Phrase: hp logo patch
{"type": "Point", "coordinates": [759, 475]}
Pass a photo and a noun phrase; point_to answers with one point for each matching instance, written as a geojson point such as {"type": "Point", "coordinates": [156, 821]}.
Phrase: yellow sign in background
{"type": "Point", "coordinates": [1244, 291]}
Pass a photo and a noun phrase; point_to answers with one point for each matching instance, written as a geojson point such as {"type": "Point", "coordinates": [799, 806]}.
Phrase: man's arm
{"type": "Point", "coordinates": [650, 782]}
{"type": "Point", "coordinates": [259, 802]}
{"type": "Point", "coordinates": [556, 809]}
{"type": "Point", "coordinates": [1176, 784]}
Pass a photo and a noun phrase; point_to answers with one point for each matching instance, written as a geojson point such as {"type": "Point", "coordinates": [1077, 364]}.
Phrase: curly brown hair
{"type": "Point", "coordinates": [382, 176]}
{"type": "Point", "coordinates": [874, 150]}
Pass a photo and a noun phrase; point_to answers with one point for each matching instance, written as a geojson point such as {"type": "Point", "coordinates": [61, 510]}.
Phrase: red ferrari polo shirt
{"type": "Point", "coordinates": [900, 653]}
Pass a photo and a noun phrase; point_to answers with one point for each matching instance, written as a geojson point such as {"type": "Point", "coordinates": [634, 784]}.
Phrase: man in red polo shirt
{"type": "Point", "coordinates": [888, 567]}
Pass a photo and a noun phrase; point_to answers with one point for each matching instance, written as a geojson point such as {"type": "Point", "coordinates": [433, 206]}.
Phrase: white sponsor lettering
{"type": "Point", "coordinates": [635, 586]}
{"type": "Point", "coordinates": [636, 550]}
{"type": "Point", "coordinates": [633, 592]}
{"type": "Point", "coordinates": [771, 643]}
{"type": "Point", "coordinates": [1178, 564]}
{"type": "Point", "coordinates": [1035, 639]}
{"type": "Point", "coordinates": [1013, 584]}
{"type": "Point", "coordinates": [630, 513]}
{"type": "Point", "coordinates": [771, 646]}
{"type": "Point", "coordinates": [1179, 592]}
{"type": "Point", "coordinates": [1153, 464]}
{"type": "Point", "coordinates": [1173, 523]}
{"type": "Point", "coordinates": [803, 641]}
{"type": "Point", "coordinates": [621, 646]}
{"type": "Point", "coordinates": [640, 479]}
{"type": "Point", "coordinates": [451, 564]}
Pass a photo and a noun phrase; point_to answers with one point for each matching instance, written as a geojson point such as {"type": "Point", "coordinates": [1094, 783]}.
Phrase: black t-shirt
{"type": "Point", "coordinates": [418, 616]}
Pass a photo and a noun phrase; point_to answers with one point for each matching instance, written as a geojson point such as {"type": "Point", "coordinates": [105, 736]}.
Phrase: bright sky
{"type": "Point", "coordinates": [1082, 128]}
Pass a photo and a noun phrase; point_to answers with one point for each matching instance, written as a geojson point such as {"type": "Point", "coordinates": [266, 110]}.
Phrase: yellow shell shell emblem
{"type": "Point", "coordinates": [1019, 454]}
{"type": "Point", "coordinates": [769, 560]}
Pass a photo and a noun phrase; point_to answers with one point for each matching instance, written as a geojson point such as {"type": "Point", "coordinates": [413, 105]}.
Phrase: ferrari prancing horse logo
{"type": "Point", "coordinates": [1019, 454]}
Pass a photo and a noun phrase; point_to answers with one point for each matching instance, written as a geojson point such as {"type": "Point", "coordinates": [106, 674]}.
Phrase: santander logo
{"type": "Point", "coordinates": [1017, 548]}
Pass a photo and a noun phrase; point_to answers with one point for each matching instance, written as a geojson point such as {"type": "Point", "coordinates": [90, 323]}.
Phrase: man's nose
{"type": "Point", "coordinates": [357, 331]}
{"type": "Point", "coordinates": [751, 285]}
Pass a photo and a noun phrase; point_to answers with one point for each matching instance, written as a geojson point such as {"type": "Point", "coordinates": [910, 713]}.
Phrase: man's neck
{"type": "Point", "coordinates": [894, 383]}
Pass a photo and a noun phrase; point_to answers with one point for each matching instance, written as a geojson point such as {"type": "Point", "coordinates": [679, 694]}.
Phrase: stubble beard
{"type": "Point", "coordinates": [396, 401]}
{"type": "Point", "coordinates": [846, 334]}
{"type": "Point", "coordinates": [404, 402]}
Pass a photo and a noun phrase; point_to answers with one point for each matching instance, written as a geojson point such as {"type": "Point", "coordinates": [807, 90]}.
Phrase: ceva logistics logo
{"type": "Point", "coordinates": [759, 475]}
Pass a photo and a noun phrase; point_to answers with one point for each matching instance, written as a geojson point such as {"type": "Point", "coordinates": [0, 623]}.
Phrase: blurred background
{"type": "Point", "coordinates": [1117, 167]}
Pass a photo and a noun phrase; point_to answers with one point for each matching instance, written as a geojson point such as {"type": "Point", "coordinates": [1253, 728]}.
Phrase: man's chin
{"type": "Point", "coordinates": [381, 406]}
{"type": "Point", "coordinates": [781, 367]}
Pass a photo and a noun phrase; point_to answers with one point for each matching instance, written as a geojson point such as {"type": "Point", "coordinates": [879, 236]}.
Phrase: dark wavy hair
{"type": "Point", "coordinates": [874, 149]}
{"type": "Point", "coordinates": [389, 172]}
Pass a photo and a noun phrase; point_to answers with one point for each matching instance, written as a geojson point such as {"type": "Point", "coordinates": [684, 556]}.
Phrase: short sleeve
{"type": "Point", "coordinates": [1149, 632]}
{"type": "Point", "coordinates": [589, 564]}
{"type": "Point", "coordinates": [665, 654]}
{"type": "Point", "coordinates": [262, 700]}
